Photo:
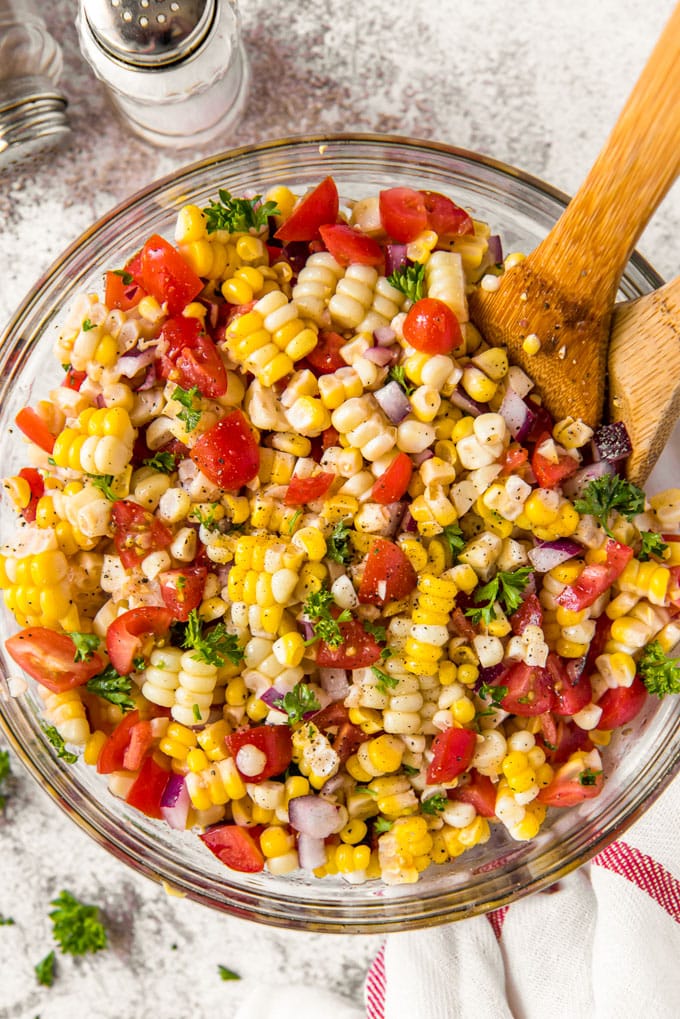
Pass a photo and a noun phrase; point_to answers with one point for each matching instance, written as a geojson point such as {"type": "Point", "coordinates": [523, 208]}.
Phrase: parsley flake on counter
{"type": "Point", "coordinates": [226, 973]}
{"type": "Point", "coordinates": [506, 588]}
{"type": "Point", "coordinates": [6, 921]}
{"type": "Point", "coordinates": [326, 627]}
{"type": "Point", "coordinates": [611, 492]}
{"type": "Point", "coordinates": [44, 970]}
{"type": "Point", "coordinates": [659, 673]}
{"type": "Point", "coordinates": [410, 279]}
{"type": "Point", "coordinates": [434, 804]}
{"type": "Point", "coordinates": [189, 416]}
{"type": "Point", "coordinates": [238, 215]}
{"type": "Point", "coordinates": [652, 544]}
{"type": "Point", "coordinates": [85, 643]}
{"type": "Point", "coordinates": [213, 646]}
{"type": "Point", "coordinates": [76, 927]}
{"type": "Point", "coordinates": [298, 702]}
{"type": "Point", "coordinates": [338, 544]}
{"type": "Point", "coordinates": [164, 463]}
{"type": "Point", "coordinates": [4, 772]}
{"type": "Point", "coordinates": [57, 742]}
{"type": "Point", "coordinates": [113, 687]}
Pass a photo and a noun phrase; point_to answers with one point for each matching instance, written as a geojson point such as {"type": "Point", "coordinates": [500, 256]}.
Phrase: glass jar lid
{"type": "Point", "coordinates": [149, 33]}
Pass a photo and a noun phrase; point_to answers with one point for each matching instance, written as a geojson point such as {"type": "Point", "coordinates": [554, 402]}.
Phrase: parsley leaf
{"type": "Point", "coordinates": [381, 825]}
{"type": "Point", "coordinates": [227, 974]}
{"type": "Point", "coordinates": [659, 673]}
{"type": "Point", "coordinates": [611, 492]}
{"type": "Point", "coordinates": [44, 970]}
{"type": "Point", "coordinates": [4, 772]}
{"type": "Point", "coordinates": [378, 631]}
{"type": "Point", "coordinates": [76, 927]}
{"type": "Point", "coordinates": [238, 215]}
{"type": "Point", "coordinates": [111, 686]}
{"type": "Point", "coordinates": [385, 681]}
{"type": "Point", "coordinates": [326, 627]}
{"type": "Point", "coordinates": [337, 548]}
{"type": "Point", "coordinates": [506, 588]}
{"type": "Point", "coordinates": [493, 694]}
{"type": "Point", "coordinates": [124, 275]}
{"type": "Point", "coordinates": [6, 921]}
{"type": "Point", "coordinates": [85, 643]}
{"type": "Point", "coordinates": [189, 416]}
{"type": "Point", "coordinates": [434, 804]}
{"type": "Point", "coordinates": [213, 646]}
{"type": "Point", "coordinates": [588, 776]}
{"type": "Point", "coordinates": [410, 279]}
{"type": "Point", "coordinates": [165, 463]}
{"type": "Point", "coordinates": [652, 544]}
{"type": "Point", "coordinates": [87, 325]}
{"type": "Point", "coordinates": [293, 520]}
{"type": "Point", "coordinates": [397, 375]}
{"type": "Point", "coordinates": [298, 702]}
{"type": "Point", "coordinates": [206, 518]}
{"type": "Point", "coordinates": [57, 742]}
{"type": "Point", "coordinates": [103, 482]}
{"type": "Point", "coordinates": [454, 536]}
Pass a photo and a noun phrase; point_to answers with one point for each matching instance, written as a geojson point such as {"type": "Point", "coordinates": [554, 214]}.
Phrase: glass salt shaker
{"type": "Point", "coordinates": [175, 69]}
{"type": "Point", "coordinates": [32, 108]}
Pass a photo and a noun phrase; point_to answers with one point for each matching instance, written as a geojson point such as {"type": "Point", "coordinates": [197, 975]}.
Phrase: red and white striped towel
{"type": "Point", "coordinates": [605, 944]}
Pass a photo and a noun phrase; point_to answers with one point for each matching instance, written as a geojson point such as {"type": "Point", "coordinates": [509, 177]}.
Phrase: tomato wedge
{"type": "Point", "coordinates": [123, 290]}
{"type": "Point", "coordinates": [357, 651]}
{"type": "Point", "coordinates": [316, 208]}
{"type": "Point", "coordinates": [431, 327]}
{"type": "Point", "coordinates": [34, 480]}
{"type": "Point", "coordinates": [621, 704]}
{"type": "Point", "coordinates": [392, 484]}
{"type": "Point", "coordinates": [74, 380]}
{"type": "Point", "coordinates": [49, 657]}
{"type": "Point", "coordinates": [549, 474]}
{"type": "Point", "coordinates": [303, 490]}
{"type": "Point", "coordinates": [235, 847]}
{"type": "Point", "coordinates": [326, 356]}
{"type": "Point", "coordinates": [112, 753]}
{"type": "Point", "coordinates": [452, 752]}
{"type": "Point", "coordinates": [136, 532]}
{"type": "Point", "coordinates": [227, 453]}
{"type": "Point", "coordinates": [479, 791]}
{"type": "Point", "coordinates": [529, 690]}
{"type": "Point", "coordinates": [191, 358]}
{"type": "Point", "coordinates": [571, 784]}
{"type": "Point", "coordinates": [274, 741]}
{"type": "Point", "coordinates": [141, 741]}
{"type": "Point", "coordinates": [596, 578]}
{"type": "Point", "coordinates": [147, 790]}
{"type": "Point", "coordinates": [182, 589]}
{"type": "Point", "coordinates": [445, 217]}
{"type": "Point", "coordinates": [529, 613]}
{"type": "Point", "coordinates": [388, 574]}
{"type": "Point", "coordinates": [166, 276]}
{"type": "Point", "coordinates": [125, 636]}
{"type": "Point", "coordinates": [403, 214]}
{"type": "Point", "coordinates": [348, 245]}
{"type": "Point", "coordinates": [35, 429]}
{"type": "Point", "coordinates": [571, 685]}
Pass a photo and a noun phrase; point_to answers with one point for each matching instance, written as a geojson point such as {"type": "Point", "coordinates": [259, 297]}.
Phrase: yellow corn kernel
{"type": "Point", "coordinates": [190, 225]}
{"type": "Point", "coordinates": [570, 648]}
{"type": "Point", "coordinates": [237, 692]}
{"type": "Point", "coordinates": [600, 737]}
{"type": "Point", "coordinates": [567, 573]}
{"type": "Point", "coordinates": [545, 774]}
{"type": "Point", "coordinates": [237, 291]}
{"type": "Point", "coordinates": [514, 763]}
{"type": "Point", "coordinates": [463, 710]}
{"type": "Point", "coordinates": [256, 709]}
{"type": "Point", "coordinates": [369, 720]}
{"type": "Point", "coordinates": [106, 353]}
{"type": "Point", "coordinates": [149, 308]}
{"type": "Point", "coordinates": [197, 760]}
{"type": "Point", "coordinates": [275, 841]}
{"type": "Point", "coordinates": [310, 541]}
{"type": "Point", "coordinates": [289, 650]}
{"type": "Point", "coordinates": [94, 746]}
{"type": "Point", "coordinates": [448, 673]}
{"type": "Point", "coordinates": [385, 753]}
{"type": "Point", "coordinates": [531, 344]}
{"type": "Point", "coordinates": [355, 769]}
{"type": "Point", "coordinates": [537, 512]}
{"type": "Point", "coordinates": [295, 785]}
{"type": "Point", "coordinates": [354, 832]}
{"type": "Point", "coordinates": [284, 199]}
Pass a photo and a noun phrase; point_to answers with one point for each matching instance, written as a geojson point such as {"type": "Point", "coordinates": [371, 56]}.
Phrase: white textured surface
{"type": "Point", "coordinates": [532, 83]}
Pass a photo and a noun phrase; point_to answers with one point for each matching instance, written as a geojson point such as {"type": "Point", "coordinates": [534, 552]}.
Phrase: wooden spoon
{"type": "Point", "coordinates": [565, 290]}
{"type": "Point", "coordinates": [644, 374]}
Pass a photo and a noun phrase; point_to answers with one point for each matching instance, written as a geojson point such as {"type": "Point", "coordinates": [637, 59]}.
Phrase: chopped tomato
{"type": "Point", "coordinates": [326, 357]}
{"type": "Point", "coordinates": [235, 847]}
{"type": "Point", "coordinates": [392, 484]}
{"type": "Point", "coordinates": [35, 482]}
{"type": "Point", "coordinates": [141, 741]}
{"type": "Point", "coordinates": [73, 379]}
{"type": "Point", "coordinates": [304, 490]}
{"type": "Point", "coordinates": [529, 690]}
{"type": "Point", "coordinates": [529, 613]}
{"type": "Point", "coordinates": [549, 474]}
{"type": "Point", "coordinates": [120, 294]}
{"type": "Point", "coordinates": [541, 420]}
{"type": "Point", "coordinates": [147, 790]}
{"type": "Point", "coordinates": [314, 210]}
{"type": "Point", "coordinates": [227, 453]}
{"type": "Point", "coordinates": [567, 787]}
{"type": "Point", "coordinates": [596, 578]}
{"type": "Point", "coordinates": [190, 357]}
{"type": "Point", "coordinates": [125, 636]}
{"type": "Point", "coordinates": [49, 657]}
{"type": "Point", "coordinates": [567, 738]}
{"type": "Point", "coordinates": [348, 736]}
{"type": "Point", "coordinates": [514, 459]}
{"type": "Point", "coordinates": [182, 589]}
{"type": "Point", "coordinates": [388, 574]}
{"type": "Point", "coordinates": [452, 752]}
{"type": "Point", "coordinates": [167, 276]}
{"type": "Point", "coordinates": [35, 429]}
{"type": "Point", "coordinates": [445, 217]}
{"type": "Point", "coordinates": [462, 624]}
{"type": "Point", "coordinates": [357, 651]}
{"type": "Point", "coordinates": [431, 327]}
{"type": "Point", "coordinates": [570, 683]}
{"type": "Point", "coordinates": [329, 437]}
{"type": "Point", "coordinates": [403, 213]}
{"type": "Point", "coordinates": [112, 753]}
{"type": "Point", "coordinates": [136, 532]}
{"type": "Point", "coordinates": [274, 741]}
{"type": "Point", "coordinates": [348, 245]}
{"type": "Point", "coordinates": [621, 704]}
{"type": "Point", "coordinates": [479, 791]}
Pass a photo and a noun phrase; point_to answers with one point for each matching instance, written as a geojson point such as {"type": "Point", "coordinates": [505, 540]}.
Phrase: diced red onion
{"type": "Point", "coordinates": [420, 458]}
{"type": "Point", "coordinates": [130, 363]}
{"type": "Point", "coordinates": [335, 682]}
{"type": "Point", "coordinates": [384, 336]}
{"type": "Point", "coordinates": [150, 378]}
{"type": "Point", "coordinates": [517, 416]}
{"type": "Point", "coordinates": [312, 815]}
{"type": "Point", "coordinates": [459, 398]}
{"type": "Point", "coordinates": [396, 512]}
{"type": "Point", "coordinates": [381, 356]}
{"type": "Point", "coordinates": [408, 524]}
{"type": "Point", "coordinates": [495, 249]}
{"type": "Point", "coordinates": [489, 674]}
{"type": "Point", "coordinates": [270, 696]}
{"type": "Point", "coordinates": [612, 442]}
{"type": "Point", "coordinates": [100, 401]}
{"type": "Point", "coordinates": [393, 401]}
{"type": "Point", "coordinates": [311, 852]}
{"type": "Point", "coordinates": [175, 802]}
{"type": "Point", "coordinates": [395, 257]}
{"type": "Point", "coordinates": [573, 486]}
{"type": "Point", "coordinates": [551, 553]}
{"type": "Point", "coordinates": [332, 785]}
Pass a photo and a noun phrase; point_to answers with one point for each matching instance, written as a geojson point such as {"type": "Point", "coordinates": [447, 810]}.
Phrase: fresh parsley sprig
{"type": "Point", "coordinates": [85, 644]}
{"type": "Point", "coordinates": [506, 588]}
{"type": "Point", "coordinates": [103, 482]}
{"type": "Point", "coordinates": [4, 772]}
{"type": "Point", "coordinates": [326, 626]}
{"type": "Point", "coordinates": [165, 463]}
{"type": "Point", "coordinates": [453, 536]}
{"type": "Point", "coordinates": [611, 492]}
{"type": "Point", "coordinates": [434, 804]}
{"type": "Point", "coordinates": [398, 375]}
{"type": "Point", "coordinates": [493, 694]}
{"type": "Point", "coordinates": [238, 215]}
{"type": "Point", "coordinates": [659, 673]}
{"type": "Point", "coordinates": [112, 687]}
{"type": "Point", "coordinates": [298, 702]}
{"type": "Point", "coordinates": [57, 741]}
{"type": "Point", "coordinates": [44, 970]}
{"type": "Point", "coordinates": [125, 276]}
{"type": "Point", "coordinates": [189, 415]}
{"type": "Point", "coordinates": [214, 646]}
{"type": "Point", "coordinates": [76, 927]}
{"type": "Point", "coordinates": [381, 825]}
{"type": "Point", "coordinates": [652, 544]}
{"type": "Point", "coordinates": [337, 547]}
{"type": "Point", "coordinates": [410, 279]}
{"type": "Point", "coordinates": [385, 681]}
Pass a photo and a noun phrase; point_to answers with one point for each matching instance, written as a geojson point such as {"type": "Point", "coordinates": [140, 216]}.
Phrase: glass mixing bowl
{"type": "Point", "coordinates": [640, 761]}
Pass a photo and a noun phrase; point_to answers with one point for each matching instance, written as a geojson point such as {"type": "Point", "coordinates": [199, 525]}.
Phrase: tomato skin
{"type": "Point", "coordinates": [348, 245]}
{"type": "Point", "coordinates": [571, 687]}
{"type": "Point", "coordinates": [147, 790]}
{"type": "Point", "coordinates": [452, 752]}
{"type": "Point", "coordinates": [113, 752]}
{"type": "Point", "coordinates": [402, 213]}
{"type": "Point", "coordinates": [182, 590]}
{"type": "Point", "coordinates": [274, 741]}
{"type": "Point", "coordinates": [314, 209]}
{"type": "Point", "coordinates": [568, 738]}
{"type": "Point", "coordinates": [445, 217]}
{"type": "Point", "coordinates": [166, 276]}
{"type": "Point", "coordinates": [121, 295]}
{"type": "Point", "coordinates": [357, 651]}
{"type": "Point", "coordinates": [529, 690]}
{"type": "Point", "coordinates": [136, 532]}
{"type": "Point", "coordinates": [74, 380]}
{"type": "Point", "coordinates": [35, 429]}
{"type": "Point", "coordinates": [529, 613]}
{"type": "Point", "coordinates": [49, 657]}
{"type": "Point", "coordinates": [565, 790]}
{"type": "Point", "coordinates": [479, 791]}
{"type": "Point", "coordinates": [36, 484]}
{"type": "Point", "coordinates": [141, 741]}
{"type": "Point", "coordinates": [621, 704]}
{"type": "Point", "coordinates": [235, 847]}
{"type": "Point", "coordinates": [227, 453]}
{"type": "Point", "coordinates": [124, 635]}
{"type": "Point", "coordinates": [392, 484]}
{"type": "Point", "coordinates": [431, 327]}
{"type": "Point", "coordinates": [596, 578]}
{"type": "Point", "coordinates": [515, 458]}
{"type": "Point", "coordinates": [549, 474]}
{"type": "Point", "coordinates": [191, 358]}
{"type": "Point", "coordinates": [388, 574]}
{"type": "Point", "coordinates": [326, 357]}
{"type": "Point", "coordinates": [304, 490]}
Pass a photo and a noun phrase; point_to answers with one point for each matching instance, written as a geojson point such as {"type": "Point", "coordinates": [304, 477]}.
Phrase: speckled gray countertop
{"type": "Point", "coordinates": [532, 83]}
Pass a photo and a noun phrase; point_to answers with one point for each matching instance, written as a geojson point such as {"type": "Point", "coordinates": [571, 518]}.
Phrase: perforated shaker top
{"type": "Point", "coordinates": [149, 33]}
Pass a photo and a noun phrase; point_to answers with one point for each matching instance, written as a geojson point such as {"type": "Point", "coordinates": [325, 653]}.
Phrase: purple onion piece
{"type": "Point", "coordinates": [381, 356]}
{"type": "Point", "coordinates": [612, 442]}
{"type": "Point", "coordinates": [311, 852]}
{"type": "Point", "coordinates": [307, 629]}
{"type": "Point", "coordinates": [393, 401]}
{"type": "Point", "coordinates": [420, 458]}
{"type": "Point", "coordinates": [271, 696]}
{"type": "Point", "coordinates": [384, 336]}
{"type": "Point", "coordinates": [408, 524]}
{"type": "Point", "coordinates": [517, 416]}
{"type": "Point", "coordinates": [335, 682]}
{"type": "Point", "coordinates": [396, 512]}
{"type": "Point", "coordinates": [175, 802]}
{"type": "Point", "coordinates": [489, 675]}
{"type": "Point", "coordinates": [312, 815]}
{"type": "Point", "coordinates": [573, 486]}
{"type": "Point", "coordinates": [551, 553]}
{"type": "Point", "coordinates": [459, 398]}
{"type": "Point", "coordinates": [495, 249]}
{"type": "Point", "coordinates": [150, 379]}
{"type": "Point", "coordinates": [134, 361]}
{"type": "Point", "coordinates": [395, 257]}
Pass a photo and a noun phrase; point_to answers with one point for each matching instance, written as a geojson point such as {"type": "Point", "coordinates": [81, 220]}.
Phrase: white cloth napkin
{"type": "Point", "coordinates": [604, 945]}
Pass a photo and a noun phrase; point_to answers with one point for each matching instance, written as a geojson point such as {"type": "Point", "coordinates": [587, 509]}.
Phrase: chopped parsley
{"type": "Point", "coordinates": [189, 416]}
{"type": "Point", "coordinates": [434, 804]}
{"type": "Point", "coordinates": [588, 776]}
{"type": "Point", "coordinates": [293, 520]}
{"type": "Point", "coordinates": [6, 921]}
{"type": "Point", "coordinates": [298, 702]}
{"type": "Point", "coordinates": [659, 673]}
{"type": "Point", "coordinates": [453, 535]}
{"type": "Point", "coordinates": [111, 686]}
{"type": "Point", "coordinates": [196, 711]}
{"type": "Point", "coordinates": [238, 215]}
{"type": "Point", "coordinates": [408, 769]}
{"type": "Point", "coordinates": [87, 325]}
{"type": "Point", "coordinates": [103, 482]}
{"type": "Point", "coordinates": [652, 544]}
{"type": "Point", "coordinates": [4, 772]}
{"type": "Point", "coordinates": [398, 375]}
{"type": "Point", "coordinates": [385, 681]}
{"type": "Point", "coordinates": [226, 973]}
{"type": "Point", "coordinates": [381, 825]}
{"type": "Point", "coordinates": [165, 463]}
{"type": "Point", "coordinates": [206, 518]}
{"type": "Point", "coordinates": [337, 548]}
{"type": "Point", "coordinates": [378, 631]}
{"type": "Point", "coordinates": [506, 588]}
{"type": "Point", "coordinates": [44, 970]}
{"type": "Point", "coordinates": [124, 275]}
{"type": "Point", "coordinates": [57, 742]}
{"type": "Point", "coordinates": [213, 646]}
{"type": "Point", "coordinates": [326, 627]}
{"type": "Point", "coordinates": [76, 927]}
{"type": "Point", "coordinates": [410, 279]}
{"type": "Point", "coordinates": [608, 493]}
{"type": "Point", "coordinates": [493, 694]}
{"type": "Point", "coordinates": [85, 643]}
{"type": "Point", "coordinates": [139, 663]}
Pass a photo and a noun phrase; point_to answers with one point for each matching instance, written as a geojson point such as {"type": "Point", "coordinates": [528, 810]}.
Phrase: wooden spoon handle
{"type": "Point", "coordinates": [628, 180]}
{"type": "Point", "coordinates": [644, 374]}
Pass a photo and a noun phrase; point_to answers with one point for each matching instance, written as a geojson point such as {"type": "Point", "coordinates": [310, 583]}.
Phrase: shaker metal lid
{"type": "Point", "coordinates": [149, 33]}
